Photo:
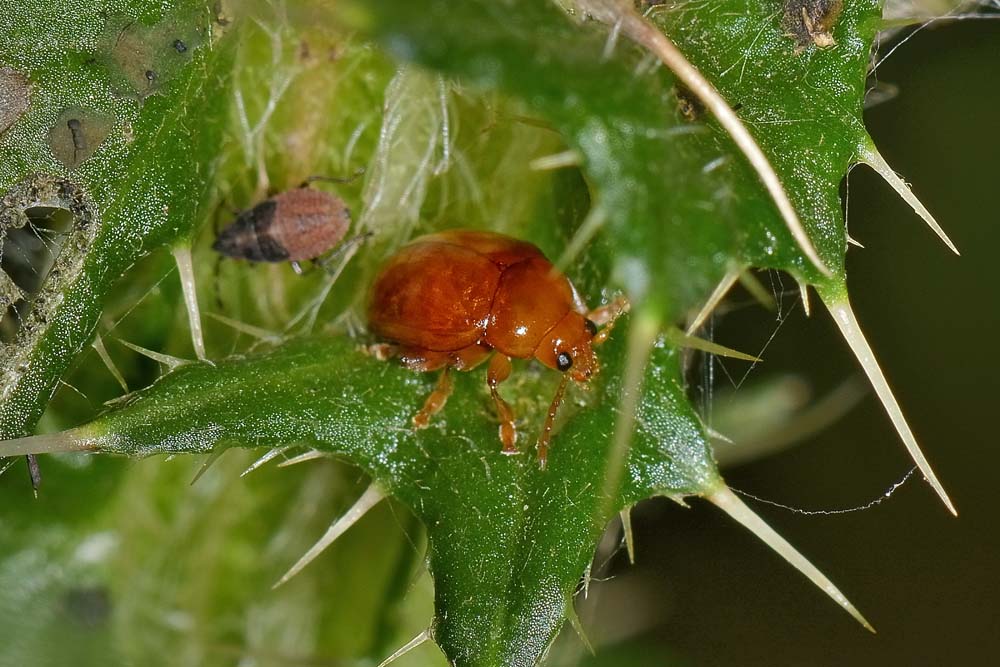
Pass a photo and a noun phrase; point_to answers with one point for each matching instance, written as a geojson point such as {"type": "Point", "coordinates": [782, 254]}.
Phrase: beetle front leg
{"type": "Point", "coordinates": [606, 316]}
{"type": "Point", "coordinates": [499, 370]}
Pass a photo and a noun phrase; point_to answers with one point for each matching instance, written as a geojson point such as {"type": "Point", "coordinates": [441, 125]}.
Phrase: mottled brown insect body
{"type": "Point", "coordinates": [293, 226]}
{"type": "Point", "coordinates": [811, 22]}
{"type": "Point", "coordinates": [451, 300]}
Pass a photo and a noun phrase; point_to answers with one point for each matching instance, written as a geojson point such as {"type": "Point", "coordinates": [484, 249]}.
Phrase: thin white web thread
{"type": "Point", "coordinates": [780, 316]}
{"type": "Point", "coordinates": [930, 21]}
{"type": "Point", "coordinates": [860, 508]}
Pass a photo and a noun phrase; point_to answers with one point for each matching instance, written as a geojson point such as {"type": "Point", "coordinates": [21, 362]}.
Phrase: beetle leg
{"type": "Point", "coordinates": [326, 263]}
{"type": "Point", "coordinates": [546, 435]}
{"type": "Point", "coordinates": [426, 360]}
{"type": "Point", "coordinates": [421, 360]}
{"type": "Point", "coordinates": [381, 351]}
{"type": "Point", "coordinates": [606, 315]}
{"type": "Point", "coordinates": [469, 357]}
{"type": "Point", "coordinates": [436, 400]}
{"type": "Point", "coordinates": [499, 371]}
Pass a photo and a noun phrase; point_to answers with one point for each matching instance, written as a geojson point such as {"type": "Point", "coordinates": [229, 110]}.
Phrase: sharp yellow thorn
{"type": "Point", "coordinates": [681, 499]}
{"type": "Point", "coordinates": [870, 156]}
{"type": "Point", "coordinates": [269, 456]}
{"type": "Point", "coordinates": [102, 352]}
{"type": "Point", "coordinates": [371, 497]}
{"type": "Point", "coordinates": [626, 517]}
{"type": "Point", "coordinates": [249, 329]}
{"type": "Point", "coordinates": [47, 443]}
{"type": "Point", "coordinates": [854, 242]}
{"type": "Point", "coordinates": [721, 437]}
{"type": "Point", "coordinates": [185, 269]}
{"type": "Point", "coordinates": [302, 458]}
{"type": "Point", "coordinates": [678, 337]}
{"type": "Point", "coordinates": [406, 648]}
{"type": "Point", "coordinates": [623, 13]}
{"type": "Point", "coordinates": [804, 291]}
{"type": "Point", "coordinates": [757, 290]}
{"type": "Point", "coordinates": [555, 161]}
{"type": "Point", "coordinates": [843, 315]}
{"type": "Point", "coordinates": [730, 503]}
{"type": "Point", "coordinates": [212, 457]}
{"type": "Point", "coordinates": [574, 621]}
{"type": "Point", "coordinates": [714, 299]}
{"type": "Point", "coordinates": [167, 360]}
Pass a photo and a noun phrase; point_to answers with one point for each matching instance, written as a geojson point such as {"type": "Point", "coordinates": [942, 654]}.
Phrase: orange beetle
{"type": "Point", "coordinates": [449, 300]}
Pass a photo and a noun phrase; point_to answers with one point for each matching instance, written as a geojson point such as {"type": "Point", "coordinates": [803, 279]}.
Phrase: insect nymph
{"type": "Point", "coordinates": [293, 226]}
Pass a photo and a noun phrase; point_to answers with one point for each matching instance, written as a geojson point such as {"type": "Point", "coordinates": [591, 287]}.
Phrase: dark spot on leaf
{"type": "Point", "coordinates": [145, 57]}
{"type": "Point", "coordinates": [688, 104]}
{"type": "Point", "coordinates": [77, 134]}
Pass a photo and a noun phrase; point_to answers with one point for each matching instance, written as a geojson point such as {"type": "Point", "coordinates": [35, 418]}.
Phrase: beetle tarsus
{"type": "Point", "coordinates": [508, 432]}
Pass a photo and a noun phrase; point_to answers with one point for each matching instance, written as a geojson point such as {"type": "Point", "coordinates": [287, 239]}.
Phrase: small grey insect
{"type": "Point", "coordinates": [180, 46]}
{"type": "Point", "coordinates": [293, 226]}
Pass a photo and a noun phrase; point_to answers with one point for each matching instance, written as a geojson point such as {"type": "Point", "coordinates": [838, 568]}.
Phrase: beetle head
{"type": "Point", "coordinates": [567, 347]}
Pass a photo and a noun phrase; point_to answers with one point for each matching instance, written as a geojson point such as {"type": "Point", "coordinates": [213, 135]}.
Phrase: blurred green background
{"type": "Point", "coordinates": [929, 583]}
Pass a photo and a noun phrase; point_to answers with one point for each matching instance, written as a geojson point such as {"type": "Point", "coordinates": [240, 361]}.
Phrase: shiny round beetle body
{"type": "Point", "coordinates": [449, 300]}
{"type": "Point", "coordinates": [293, 226]}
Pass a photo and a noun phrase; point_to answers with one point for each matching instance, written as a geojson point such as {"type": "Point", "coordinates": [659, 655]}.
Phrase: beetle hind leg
{"type": "Point", "coordinates": [499, 371]}
{"type": "Point", "coordinates": [417, 359]}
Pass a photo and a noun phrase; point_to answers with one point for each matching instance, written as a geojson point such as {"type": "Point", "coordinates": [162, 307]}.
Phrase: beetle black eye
{"type": "Point", "coordinates": [591, 327]}
{"type": "Point", "coordinates": [563, 361]}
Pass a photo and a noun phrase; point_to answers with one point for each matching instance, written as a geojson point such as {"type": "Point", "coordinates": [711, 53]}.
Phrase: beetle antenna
{"type": "Point", "coordinates": [546, 435]}
{"type": "Point", "coordinates": [333, 179]}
